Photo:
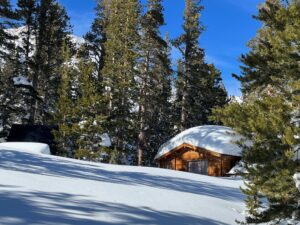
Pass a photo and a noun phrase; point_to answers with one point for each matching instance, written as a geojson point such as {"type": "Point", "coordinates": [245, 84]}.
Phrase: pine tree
{"type": "Point", "coordinates": [275, 42]}
{"type": "Point", "coordinates": [197, 79]}
{"type": "Point", "coordinates": [80, 112]}
{"type": "Point", "coordinates": [16, 93]}
{"type": "Point", "coordinates": [161, 128]}
{"type": "Point", "coordinates": [27, 13]}
{"type": "Point", "coordinates": [269, 159]}
{"type": "Point", "coordinates": [154, 84]}
{"type": "Point", "coordinates": [269, 117]}
{"type": "Point", "coordinates": [46, 28]}
{"type": "Point", "coordinates": [95, 39]}
{"type": "Point", "coordinates": [119, 70]}
{"type": "Point", "coordinates": [53, 31]}
{"type": "Point", "coordinates": [6, 21]}
{"type": "Point", "coordinates": [90, 111]}
{"type": "Point", "coordinates": [64, 116]}
{"type": "Point", "coordinates": [16, 90]}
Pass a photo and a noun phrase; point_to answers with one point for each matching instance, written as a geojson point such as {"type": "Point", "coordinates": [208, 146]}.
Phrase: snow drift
{"type": "Point", "coordinates": [38, 148]}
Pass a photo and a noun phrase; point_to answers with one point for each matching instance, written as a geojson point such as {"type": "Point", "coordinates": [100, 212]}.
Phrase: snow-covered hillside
{"type": "Point", "coordinates": [17, 32]}
{"type": "Point", "coordinates": [43, 189]}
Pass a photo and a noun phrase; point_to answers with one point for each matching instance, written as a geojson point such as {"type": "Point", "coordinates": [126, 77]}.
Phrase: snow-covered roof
{"type": "Point", "coordinates": [218, 139]}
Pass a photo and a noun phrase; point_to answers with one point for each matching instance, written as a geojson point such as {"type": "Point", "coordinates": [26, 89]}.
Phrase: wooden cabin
{"type": "Point", "coordinates": [208, 150]}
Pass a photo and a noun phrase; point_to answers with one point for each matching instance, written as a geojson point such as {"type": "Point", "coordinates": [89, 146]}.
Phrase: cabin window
{"type": "Point", "coordinates": [167, 164]}
{"type": "Point", "coordinates": [200, 167]}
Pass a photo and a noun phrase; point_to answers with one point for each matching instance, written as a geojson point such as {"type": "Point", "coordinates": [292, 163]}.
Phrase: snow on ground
{"type": "Point", "coordinates": [38, 148]}
{"type": "Point", "coordinates": [214, 138]}
{"type": "Point", "coordinates": [39, 189]}
{"type": "Point", "coordinates": [238, 169]}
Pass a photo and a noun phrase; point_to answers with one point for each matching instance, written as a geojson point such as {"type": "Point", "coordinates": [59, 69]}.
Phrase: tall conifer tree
{"type": "Point", "coordinates": [154, 85]}
{"type": "Point", "coordinates": [196, 81]}
{"type": "Point", "coordinates": [79, 112]}
{"type": "Point", "coordinates": [16, 90]}
{"type": "Point", "coordinates": [27, 10]}
{"type": "Point", "coordinates": [95, 39]}
{"type": "Point", "coordinates": [90, 111]}
{"type": "Point", "coordinates": [53, 31]}
{"type": "Point", "coordinates": [64, 115]}
{"type": "Point", "coordinates": [6, 16]}
{"type": "Point", "coordinates": [120, 69]}
{"type": "Point", "coordinates": [269, 117]}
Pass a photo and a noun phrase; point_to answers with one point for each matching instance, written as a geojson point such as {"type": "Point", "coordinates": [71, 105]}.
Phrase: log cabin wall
{"type": "Point", "coordinates": [179, 159]}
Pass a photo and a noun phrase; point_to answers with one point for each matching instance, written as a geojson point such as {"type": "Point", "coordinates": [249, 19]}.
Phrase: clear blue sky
{"type": "Point", "coordinates": [229, 26]}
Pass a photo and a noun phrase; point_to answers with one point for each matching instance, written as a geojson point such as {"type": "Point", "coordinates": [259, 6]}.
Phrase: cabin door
{"type": "Point", "coordinates": [200, 167]}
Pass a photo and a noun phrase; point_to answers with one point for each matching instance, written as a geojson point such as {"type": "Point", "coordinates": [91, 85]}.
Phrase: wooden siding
{"type": "Point", "coordinates": [178, 159]}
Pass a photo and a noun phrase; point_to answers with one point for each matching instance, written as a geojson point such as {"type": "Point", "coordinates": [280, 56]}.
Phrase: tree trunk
{"type": "Point", "coordinates": [141, 136]}
{"type": "Point", "coordinates": [184, 110]}
{"type": "Point", "coordinates": [33, 102]}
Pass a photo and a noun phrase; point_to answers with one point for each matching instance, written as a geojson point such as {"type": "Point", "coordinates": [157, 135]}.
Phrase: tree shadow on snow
{"type": "Point", "coordinates": [39, 164]}
{"type": "Point", "coordinates": [65, 209]}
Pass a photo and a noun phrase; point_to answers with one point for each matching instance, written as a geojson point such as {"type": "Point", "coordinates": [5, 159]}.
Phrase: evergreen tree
{"type": "Point", "coordinates": [79, 113]}
{"type": "Point", "coordinates": [15, 95]}
{"type": "Point", "coordinates": [46, 28]}
{"type": "Point", "coordinates": [269, 160]}
{"type": "Point", "coordinates": [95, 39]}
{"type": "Point", "coordinates": [53, 31]}
{"type": "Point", "coordinates": [269, 117]}
{"type": "Point", "coordinates": [197, 81]}
{"type": "Point", "coordinates": [119, 70]}
{"type": "Point", "coordinates": [90, 111]}
{"type": "Point", "coordinates": [161, 128]}
{"type": "Point", "coordinates": [27, 13]}
{"type": "Point", "coordinates": [154, 84]}
{"type": "Point", "coordinates": [273, 57]}
{"type": "Point", "coordinates": [6, 16]}
{"type": "Point", "coordinates": [16, 89]}
{"type": "Point", "coordinates": [65, 117]}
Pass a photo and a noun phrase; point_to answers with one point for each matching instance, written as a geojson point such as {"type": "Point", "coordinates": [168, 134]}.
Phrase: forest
{"type": "Point", "coordinates": [120, 81]}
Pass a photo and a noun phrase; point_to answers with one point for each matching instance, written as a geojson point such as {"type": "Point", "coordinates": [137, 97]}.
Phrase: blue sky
{"type": "Point", "coordinates": [229, 26]}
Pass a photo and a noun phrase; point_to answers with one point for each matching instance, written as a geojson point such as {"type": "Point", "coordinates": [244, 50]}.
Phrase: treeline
{"type": "Point", "coordinates": [120, 81]}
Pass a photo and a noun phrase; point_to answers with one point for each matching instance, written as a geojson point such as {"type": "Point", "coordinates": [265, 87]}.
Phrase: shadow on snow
{"type": "Point", "coordinates": [37, 164]}
{"type": "Point", "coordinates": [66, 209]}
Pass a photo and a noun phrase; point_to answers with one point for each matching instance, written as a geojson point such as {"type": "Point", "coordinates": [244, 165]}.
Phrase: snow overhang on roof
{"type": "Point", "coordinates": [218, 139]}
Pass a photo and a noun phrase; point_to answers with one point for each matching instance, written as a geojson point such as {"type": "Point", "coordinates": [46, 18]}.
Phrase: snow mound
{"type": "Point", "coordinates": [37, 148]}
{"type": "Point", "coordinates": [218, 139]}
{"type": "Point", "coordinates": [238, 169]}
